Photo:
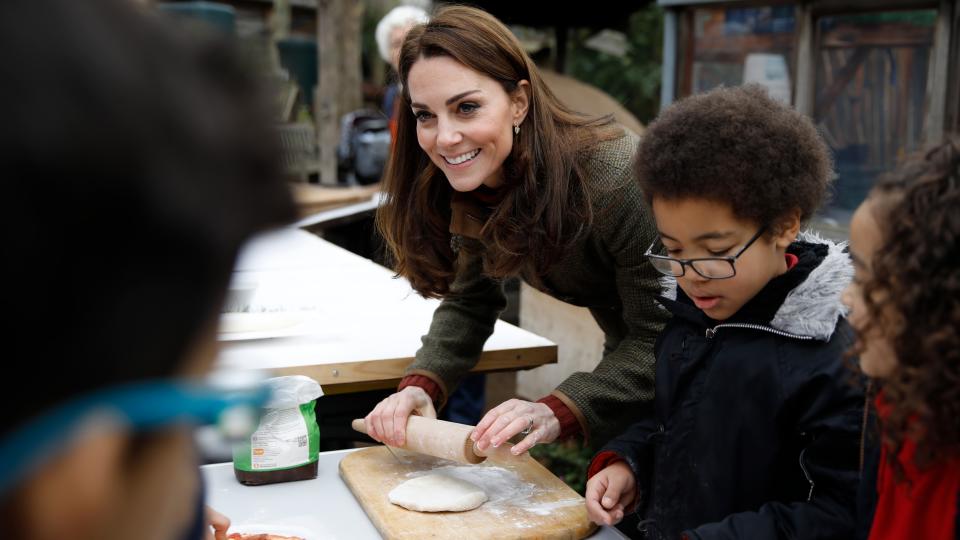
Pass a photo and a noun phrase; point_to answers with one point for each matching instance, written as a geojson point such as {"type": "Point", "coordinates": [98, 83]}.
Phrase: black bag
{"type": "Point", "coordinates": [364, 147]}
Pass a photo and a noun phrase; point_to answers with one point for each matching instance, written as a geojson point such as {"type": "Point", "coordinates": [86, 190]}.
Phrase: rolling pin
{"type": "Point", "coordinates": [442, 439]}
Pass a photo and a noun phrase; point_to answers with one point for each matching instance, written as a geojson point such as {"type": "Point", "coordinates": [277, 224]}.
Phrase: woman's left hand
{"type": "Point", "coordinates": [514, 416]}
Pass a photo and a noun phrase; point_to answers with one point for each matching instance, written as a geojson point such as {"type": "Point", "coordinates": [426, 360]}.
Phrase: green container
{"type": "Point", "coordinates": [298, 55]}
{"type": "Point", "coordinates": [220, 16]}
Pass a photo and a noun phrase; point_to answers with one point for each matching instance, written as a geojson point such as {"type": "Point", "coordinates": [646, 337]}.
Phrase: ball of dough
{"type": "Point", "coordinates": [437, 493]}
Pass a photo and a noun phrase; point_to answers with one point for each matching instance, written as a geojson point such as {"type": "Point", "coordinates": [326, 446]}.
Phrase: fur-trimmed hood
{"type": "Point", "coordinates": [813, 307]}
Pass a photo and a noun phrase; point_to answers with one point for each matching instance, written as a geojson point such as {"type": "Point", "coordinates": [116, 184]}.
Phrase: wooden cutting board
{"type": "Point", "coordinates": [525, 500]}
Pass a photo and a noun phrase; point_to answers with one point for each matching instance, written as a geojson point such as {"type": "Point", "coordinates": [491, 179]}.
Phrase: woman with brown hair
{"type": "Point", "coordinates": [905, 244]}
{"type": "Point", "coordinates": [491, 177]}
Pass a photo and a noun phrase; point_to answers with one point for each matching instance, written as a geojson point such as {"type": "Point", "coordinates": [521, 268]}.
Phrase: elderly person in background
{"type": "Point", "coordinates": [391, 30]}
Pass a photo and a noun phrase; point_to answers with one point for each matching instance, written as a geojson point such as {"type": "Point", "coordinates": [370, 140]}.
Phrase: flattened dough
{"type": "Point", "coordinates": [437, 493]}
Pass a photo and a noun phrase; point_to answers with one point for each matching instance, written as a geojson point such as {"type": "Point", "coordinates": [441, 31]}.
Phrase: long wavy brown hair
{"type": "Point", "coordinates": [545, 200]}
{"type": "Point", "coordinates": [914, 297]}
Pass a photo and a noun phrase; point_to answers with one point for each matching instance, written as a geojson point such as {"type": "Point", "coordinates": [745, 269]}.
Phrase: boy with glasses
{"type": "Point", "coordinates": [754, 428]}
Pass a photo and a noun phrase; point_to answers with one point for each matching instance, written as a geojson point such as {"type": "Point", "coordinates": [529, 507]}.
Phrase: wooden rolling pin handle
{"type": "Point", "coordinates": [447, 440]}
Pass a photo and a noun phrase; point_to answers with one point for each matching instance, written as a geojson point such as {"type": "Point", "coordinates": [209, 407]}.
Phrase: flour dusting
{"type": "Point", "coordinates": [504, 488]}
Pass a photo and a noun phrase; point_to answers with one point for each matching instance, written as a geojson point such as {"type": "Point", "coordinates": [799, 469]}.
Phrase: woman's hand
{"type": "Point", "coordinates": [535, 420]}
{"type": "Point", "coordinates": [609, 493]}
{"type": "Point", "coordinates": [216, 521]}
{"type": "Point", "coordinates": [387, 422]}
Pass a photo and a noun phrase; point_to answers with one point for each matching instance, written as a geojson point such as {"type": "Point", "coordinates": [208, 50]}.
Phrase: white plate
{"type": "Point", "coordinates": [267, 528]}
{"type": "Point", "coordinates": [264, 325]}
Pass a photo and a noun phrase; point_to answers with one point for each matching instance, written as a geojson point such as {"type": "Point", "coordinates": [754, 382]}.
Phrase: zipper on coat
{"type": "Point", "coordinates": [712, 332]}
{"type": "Point", "coordinates": [867, 395]}
{"type": "Point", "coordinates": [807, 474]}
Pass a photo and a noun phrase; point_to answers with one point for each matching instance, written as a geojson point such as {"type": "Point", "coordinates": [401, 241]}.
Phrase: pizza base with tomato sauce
{"type": "Point", "coordinates": [238, 536]}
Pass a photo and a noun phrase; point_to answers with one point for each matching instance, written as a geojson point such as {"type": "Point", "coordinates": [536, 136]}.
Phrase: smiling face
{"type": "Point", "coordinates": [695, 228]}
{"type": "Point", "coordinates": [465, 120]}
{"type": "Point", "coordinates": [877, 357]}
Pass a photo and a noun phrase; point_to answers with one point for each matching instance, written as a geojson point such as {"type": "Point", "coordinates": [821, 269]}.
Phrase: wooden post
{"type": "Point", "coordinates": [326, 112]}
{"type": "Point", "coordinates": [338, 81]}
{"type": "Point", "coordinates": [351, 93]}
{"type": "Point", "coordinates": [280, 20]}
{"type": "Point", "coordinates": [668, 79]}
{"type": "Point", "coordinates": [934, 123]}
{"type": "Point", "coordinates": [804, 100]}
{"type": "Point", "coordinates": [952, 120]}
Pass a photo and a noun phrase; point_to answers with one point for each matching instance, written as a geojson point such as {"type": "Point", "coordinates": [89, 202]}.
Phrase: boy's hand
{"type": "Point", "coordinates": [609, 493]}
{"type": "Point", "coordinates": [216, 521]}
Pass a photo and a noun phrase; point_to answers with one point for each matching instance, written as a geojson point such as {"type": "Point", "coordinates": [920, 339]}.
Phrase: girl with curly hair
{"type": "Point", "coordinates": [905, 243]}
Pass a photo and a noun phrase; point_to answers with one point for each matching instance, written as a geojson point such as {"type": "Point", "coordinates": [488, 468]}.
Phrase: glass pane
{"type": "Point", "coordinates": [732, 46]}
{"type": "Point", "coordinates": [871, 89]}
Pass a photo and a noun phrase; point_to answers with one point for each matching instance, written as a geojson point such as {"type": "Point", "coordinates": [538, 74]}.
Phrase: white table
{"type": "Point", "coordinates": [317, 509]}
{"type": "Point", "coordinates": [362, 326]}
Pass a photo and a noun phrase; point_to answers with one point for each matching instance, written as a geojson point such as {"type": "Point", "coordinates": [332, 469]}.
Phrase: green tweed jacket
{"type": "Point", "coordinates": [604, 270]}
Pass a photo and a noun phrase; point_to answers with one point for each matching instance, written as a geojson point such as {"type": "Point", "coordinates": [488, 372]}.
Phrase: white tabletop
{"type": "Point", "coordinates": [354, 311]}
{"type": "Point", "coordinates": [317, 509]}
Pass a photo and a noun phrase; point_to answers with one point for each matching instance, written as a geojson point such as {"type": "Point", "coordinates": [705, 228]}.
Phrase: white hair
{"type": "Point", "coordinates": [397, 17]}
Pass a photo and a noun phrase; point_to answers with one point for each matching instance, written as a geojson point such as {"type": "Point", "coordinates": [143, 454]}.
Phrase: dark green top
{"type": "Point", "coordinates": [604, 270]}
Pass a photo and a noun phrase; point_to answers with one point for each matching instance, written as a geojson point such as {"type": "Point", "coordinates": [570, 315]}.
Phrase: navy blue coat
{"type": "Point", "coordinates": [754, 430]}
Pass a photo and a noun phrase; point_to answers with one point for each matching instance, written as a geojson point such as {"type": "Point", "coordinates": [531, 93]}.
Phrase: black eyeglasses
{"type": "Point", "coordinates": [708, 267]}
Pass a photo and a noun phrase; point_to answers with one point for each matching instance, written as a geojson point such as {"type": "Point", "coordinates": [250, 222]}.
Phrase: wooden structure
{"type": "Point", "coordinates": [879, 77]}
{"type": "Point", "coordinates": [338, 81]}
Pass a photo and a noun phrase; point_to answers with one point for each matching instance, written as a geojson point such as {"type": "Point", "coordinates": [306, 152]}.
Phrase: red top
{"type": "Point", "coordinates": [923, 504]}
{"type": "Point", "coordinates": [601, 461]}
{"type": "Point", "coordinates": [431, 388]}
{"type": "Point", "coordinates": [569, 426]}
{"type": "Point", "coordinates": [792, 260]}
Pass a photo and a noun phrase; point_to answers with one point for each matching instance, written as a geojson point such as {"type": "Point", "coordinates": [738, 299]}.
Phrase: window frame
{"type": "Point", "coordinates": [942, 113]}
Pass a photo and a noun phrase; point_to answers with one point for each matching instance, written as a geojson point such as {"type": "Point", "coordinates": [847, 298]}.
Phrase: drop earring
{"type": "Point", "coordinates": [516, 129]}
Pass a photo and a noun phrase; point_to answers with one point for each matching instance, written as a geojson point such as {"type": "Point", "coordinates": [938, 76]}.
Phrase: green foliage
{"type": "Point", "coordinates": [567, 460]}
{"type": "Point", "coordinates": [925, 18]}
{"type": "Point", "coordinates": [633, 80]}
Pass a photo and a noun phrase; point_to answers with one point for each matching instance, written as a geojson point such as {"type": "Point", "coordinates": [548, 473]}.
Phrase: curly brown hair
{"type": "Point", "coordinates": [739, 147]}
{"type": "Point", "coordinates": [546, 199]}
{"type": "Point", "coordinates": [913, 296]}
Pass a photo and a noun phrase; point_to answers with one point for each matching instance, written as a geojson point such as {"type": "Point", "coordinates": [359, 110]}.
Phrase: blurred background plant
{"type": "Point", "coordinates": [630, 70]}
{"type": "Point", "coordinates": [568, 460]}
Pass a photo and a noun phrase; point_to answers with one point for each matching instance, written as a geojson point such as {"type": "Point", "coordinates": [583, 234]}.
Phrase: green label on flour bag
{"type": "Point", "coordinates": [286, 444]}
{"type": "Point", "coordinates": [286, 438]}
